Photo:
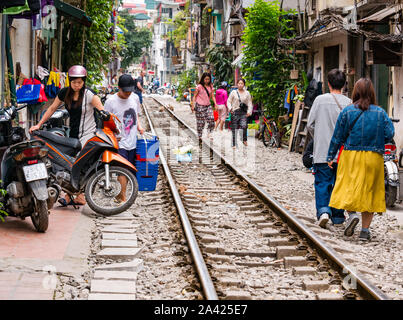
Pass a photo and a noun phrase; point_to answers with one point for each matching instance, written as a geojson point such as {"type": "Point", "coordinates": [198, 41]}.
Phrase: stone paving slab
{"type": "Point", "coordinates": [119, 236]}
{"type": "Point", "coordinates": [113, 286]}
{"type": "Point", "coordinates": [120, 223]}
{"type": "Point", "coordinates": [119, 253]}
{"type": "Point", "coordinates": [115, 229]}
{"type": "Point", "coordinates": [115, 275]}
{"type": "Point", "coordinates": [135, 265]}
{"type": "Point", "coordinates": [119, 244]}
{"type": "Point", "coordinates": [24, 286]}
{"type": "Point", "coordinates": [111, 296]}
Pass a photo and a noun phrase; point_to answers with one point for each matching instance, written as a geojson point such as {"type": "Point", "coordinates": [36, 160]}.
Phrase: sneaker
{"type": "Point", "coordinates": [365, 235]}
{"type": "Point", "coordinates": [351, 224]}
{"type": "Point", "coordinates": [323, 220]}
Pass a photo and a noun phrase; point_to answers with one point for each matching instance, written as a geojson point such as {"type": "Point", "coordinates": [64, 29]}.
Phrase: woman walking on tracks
{"type": "Point", "coordinates": [363, 128]}
{"type": "Point", "coordinates": [201, 103]}
{"type": "Point", "coordinates": [221, 97]}
{"type": "Point", "coordinates": [240, 105]}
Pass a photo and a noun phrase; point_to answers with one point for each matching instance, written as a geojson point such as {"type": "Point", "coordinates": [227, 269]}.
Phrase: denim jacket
{"type": "Point", "coordinates": [370, 133]}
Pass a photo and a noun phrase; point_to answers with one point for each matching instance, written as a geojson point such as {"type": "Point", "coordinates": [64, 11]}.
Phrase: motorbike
{"type": "Point", "coordinates": [392, 181]}
{"type": "Point", "coordinates": [56, 123]}
{"type": "Point", "coordinates": [24, 174]}
{"type": "Point", "coordinates": [95, 169]}
{"type": "Point", "coordinates": [160, 91]}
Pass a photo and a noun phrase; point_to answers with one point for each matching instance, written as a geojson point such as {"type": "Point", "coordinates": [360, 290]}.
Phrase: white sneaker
{"type": "Point", "coordinates": [323, 220]}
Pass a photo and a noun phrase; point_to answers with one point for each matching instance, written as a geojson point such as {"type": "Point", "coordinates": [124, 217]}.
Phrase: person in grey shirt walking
{"type": "Point", "coordinates": [321, 123]}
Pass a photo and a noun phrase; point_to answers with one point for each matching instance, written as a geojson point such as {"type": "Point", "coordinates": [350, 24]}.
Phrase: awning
{"type": "Point", "coordinates": [237, 62]}
{"type": "Point", "coordinates": [73, 12]}
{"type": "Point", "coordinates": [141, 16]}
{"type": "Point", "coordinates": [384, 13]}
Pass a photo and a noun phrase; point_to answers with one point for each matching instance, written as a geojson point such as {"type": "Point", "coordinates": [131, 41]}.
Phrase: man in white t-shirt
{"type": "Point", "coordinates": [126, 106]}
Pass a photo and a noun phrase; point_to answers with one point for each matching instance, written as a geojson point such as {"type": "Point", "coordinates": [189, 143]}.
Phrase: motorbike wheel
{"type": "Point", "coordinates": [104, 201]}
{"type": "Point", "coordinates": [40, 218]}
{"type": "Point", "coordinates": [390, 195]}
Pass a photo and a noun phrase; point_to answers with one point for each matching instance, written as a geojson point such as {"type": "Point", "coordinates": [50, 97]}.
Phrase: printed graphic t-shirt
{"type": "Point", "coordinates": [126, 110]}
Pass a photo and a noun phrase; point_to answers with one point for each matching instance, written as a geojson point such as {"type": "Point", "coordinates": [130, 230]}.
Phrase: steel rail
{"type": "Point", "coordinates": [201, 268]}
{"type": "Point", "coordinates": [363, 285]}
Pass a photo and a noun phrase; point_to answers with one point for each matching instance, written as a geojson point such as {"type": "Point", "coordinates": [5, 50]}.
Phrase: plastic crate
{"type": "Point", "coordinates": [147, 162]}
{"type": "Point", "coordinates": [147, 176]}
{"type": "Point", "coordinates": [148, 147]}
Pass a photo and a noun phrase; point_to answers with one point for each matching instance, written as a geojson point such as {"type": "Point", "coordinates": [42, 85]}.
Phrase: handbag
{"type": "Point", "coordinates": [28, 93]}
{"type": "Point", "coordinates": [242, 106]}
{"type": "Point", "coordinates": [215, 112]}
{"type": "Point", "coordinates": [42, 94]}
{"type": "Point", "coordinates": [208, 93]}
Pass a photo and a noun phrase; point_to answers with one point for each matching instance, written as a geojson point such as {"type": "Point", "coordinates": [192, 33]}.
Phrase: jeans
{"type": "Point", "coordinates": [325, 178]}
{"type": "Point", "coordinates": [140, 94]}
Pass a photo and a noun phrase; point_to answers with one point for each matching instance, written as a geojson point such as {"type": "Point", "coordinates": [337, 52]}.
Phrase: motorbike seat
{"type": "Point", "coordinates": [72, 143]}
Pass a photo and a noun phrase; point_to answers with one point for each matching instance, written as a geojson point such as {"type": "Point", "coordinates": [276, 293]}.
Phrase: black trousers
{"type": "Point", "coordinates": [239, 121]}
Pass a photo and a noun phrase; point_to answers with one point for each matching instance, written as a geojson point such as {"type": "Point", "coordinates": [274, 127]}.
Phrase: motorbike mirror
{"type": "Point", "coordinates": [12, 112]}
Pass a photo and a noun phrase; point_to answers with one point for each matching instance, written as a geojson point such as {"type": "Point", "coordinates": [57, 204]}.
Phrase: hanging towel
{"type": "Point", "coordinates": [42, 72]}
{"type": "Point", "coordinates": [53, 85]}
{"type": "Point", "coordinates": [17, 9]}
{"type": "Point", "coordinates": [287, 102]}
{"type": "Point", "coordinates": [11, 3]}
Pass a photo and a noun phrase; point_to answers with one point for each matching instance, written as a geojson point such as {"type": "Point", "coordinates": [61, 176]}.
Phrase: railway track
{"type": "Point", "coordinates": [243, 243]}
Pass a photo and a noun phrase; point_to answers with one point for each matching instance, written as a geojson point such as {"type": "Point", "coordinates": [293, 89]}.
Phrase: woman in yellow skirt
{"type": "Point", "coordinates": [363, 129]}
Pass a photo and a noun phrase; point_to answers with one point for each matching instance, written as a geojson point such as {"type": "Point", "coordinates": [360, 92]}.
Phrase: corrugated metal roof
{"type": "Point", "coordinates": [384, 13]}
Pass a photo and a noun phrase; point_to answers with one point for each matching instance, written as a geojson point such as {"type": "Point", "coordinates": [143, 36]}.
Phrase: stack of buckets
{"type": "Point", "coordinates": [147, 162]}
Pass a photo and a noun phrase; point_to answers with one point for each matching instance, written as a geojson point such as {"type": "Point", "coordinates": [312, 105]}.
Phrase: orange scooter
{"type": "Point", "coordinates": [108, 179]}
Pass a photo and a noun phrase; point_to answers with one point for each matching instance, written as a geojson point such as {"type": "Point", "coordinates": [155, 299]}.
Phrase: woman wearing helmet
{"type": "Point", "coordinates": [221, 97]}
{"type": "Point", "coordinates": [81, 103]}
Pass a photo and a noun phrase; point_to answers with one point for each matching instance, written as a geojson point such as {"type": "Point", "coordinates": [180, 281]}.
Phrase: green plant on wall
{"type": "Point", "coordinates": [206, 16]}
{"type": "Point", "coordinates": [3, 213]}
{"type": "Point", "coordinates": [97, 40]}
{"type": "Point", "coordinates": [186, 79]}
{"type": "Point", "coordinates": [221, 61]}
{"type": "Point", "coordinates": [266, 66]}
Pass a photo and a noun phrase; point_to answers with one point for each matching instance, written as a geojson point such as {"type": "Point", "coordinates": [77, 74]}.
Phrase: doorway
{"type": "Point", "coordinates": [331, 57]}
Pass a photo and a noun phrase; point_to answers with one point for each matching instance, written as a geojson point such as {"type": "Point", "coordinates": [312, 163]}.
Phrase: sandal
{"type": "Point", "coordinates": [63, 202]}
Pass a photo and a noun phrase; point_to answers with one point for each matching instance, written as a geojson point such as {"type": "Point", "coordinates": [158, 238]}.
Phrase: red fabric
{"type": "Point", "coordinates": [42, 94]}
{"type": "Point", "coordinates": [149, 159]}
{"type": "Point", "coordinates": [215, 112]}
{"type": "Point", "coordinates": [340, 151]}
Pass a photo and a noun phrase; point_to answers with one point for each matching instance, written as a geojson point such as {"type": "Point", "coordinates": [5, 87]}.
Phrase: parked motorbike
{"type": "Point", "coordinates": [98, 169]}
{"type": "Point", "coordinates": [160, 91]}
{"type": "Point", "coordinates": [56, 123]}
{"type": "Point", "coordinates": [392, 183]}
{"type": "Point", "coordinates": [24, 174]}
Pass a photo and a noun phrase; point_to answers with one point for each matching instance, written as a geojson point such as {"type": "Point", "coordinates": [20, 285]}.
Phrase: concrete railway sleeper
{"type": "Point", "coordinates": [253, 248]}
